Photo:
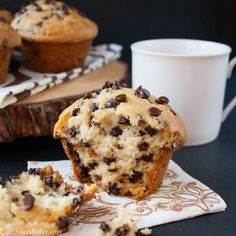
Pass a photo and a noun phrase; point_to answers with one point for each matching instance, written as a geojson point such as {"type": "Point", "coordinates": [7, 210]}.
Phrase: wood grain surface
{"type": "Point", "coordinates": [36, 115]}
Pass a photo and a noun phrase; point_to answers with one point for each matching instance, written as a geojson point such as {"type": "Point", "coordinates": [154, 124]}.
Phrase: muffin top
{"type": "Point", "coordinates": [8, 37]}
{"type": "Point", "coordinates": [53, 21]}
{"type": "Point", "coordinates": [116, 106]}
{"type": "Point", "coordinates": [5, 16]}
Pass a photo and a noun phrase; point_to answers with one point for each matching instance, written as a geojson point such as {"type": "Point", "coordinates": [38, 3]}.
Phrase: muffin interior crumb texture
{"type": "Point", "coordinates": [120, 138]}
{"type": "Point", "coordinates": [122, 225]}
{"type": "Point", "coordinates": [39, 200]}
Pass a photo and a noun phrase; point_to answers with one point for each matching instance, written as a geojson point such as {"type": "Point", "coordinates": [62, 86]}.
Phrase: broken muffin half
{"type": "Point", "coordinates": [121, 139]}
{"type": "Point", "coordinates": [39, 202]}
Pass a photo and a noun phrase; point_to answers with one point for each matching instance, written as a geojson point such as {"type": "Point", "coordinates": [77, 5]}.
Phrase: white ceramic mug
{"type": "Point", "coordinates": [192, 74]}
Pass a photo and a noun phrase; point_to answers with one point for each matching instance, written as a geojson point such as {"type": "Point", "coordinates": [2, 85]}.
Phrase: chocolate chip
{"type": "Point", "coordinates": [154, 111]}
{"type": "Point", "coordinates": [72, 132]}
{"type": "Point", "coordinates": [66, 9]}
{"type": "Point", "coordinates": [113, 189]}
{"type": "Point", "coordinates": [94, 107]}
{"type": "Point", "coordinates": [92, 165]}
{"type": "Point", "coordinates": [150, 131]}
{"type": "Point", "coordinates": [36, 6]}
{"type": "Point", "coordinates": [141, 133]}
{"type": "Point", "coordinates": [107, 85]}
{"type": "Point", "coordinates": [12, 178]}
{"type": "Point", "coordinates": [4, 44]}
{"type": "Point", "coordinates": [141, 121]}
{"type": "Point", "coordinates": [135, 176]}
{"type": "Point", "coordinates": [76, 156]}
{"type": "Point", "coordinates": [174, 113]}
{"type": "Point", "coordinates": [124, 121]}
{"type": "Point", "coordinates": [162, 100]}
{"type": "Point", "coordinates": [15, 199]}
{"type": "Point", "coordinates": [28, 201]}
{"type": "Point", "coordinates": [147, 158]}
{"type": "Point", "coordinates": [86, 144]}
{"type": "Point", "coordinates": [109, 160]}
{"type": "Point", "coordinates": [68, 144]}
{"type": "Point", "coordinates": [25, 192]}
{"type": "Point", "coordinates": [64, 222]}
{"type": "Point", "coordinates": [142, 93]}
{"type": "Point", "coordinates": [40, 24]}
{"type": "Point", "coordinates": [84, 172]}
{"type": "Point", "coordinates": [34, 171]}
{"type": "Point", "coordinates": [122, 230]}
{"type": "Point", "coordinates": [2, 20]}
{"type": "Point", "coordinates": [45, 18]}
{"type": "Point", "coordinates": [115, 132]}
{"type": "Point", "coordinates": [75, 112]}
{"type": "Point", "coordinates": [114, 85]}
{"type": "Point", "coordinates": [49, 181]}
{"type": "Point", "coordinates": [76, 202]}
{"type": "Point", "coordinates": [104, 227]}
{"type": "Point", "coordinates": [121, 98]}
{"type": "Point", "coordinates": [88, 95]}
{"type": "Point", "coordinates": [143, 146]}
{"type": "Point", "coordinates": [59, 17]}
{"type": "Point", "coordinates": [111, 103]}
{"type": "Point", "coordinates": [112, 170]}
{"type": "Point", "coordinates": [2, 181]}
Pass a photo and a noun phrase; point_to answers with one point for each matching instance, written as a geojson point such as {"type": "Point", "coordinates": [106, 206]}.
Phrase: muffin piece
{"type": "Point", "coordinates": [55, 36]}
{"type": "Point", "coordinates": [9, 39]}
{"type": "Point", "coordinates": [5, 16]}
{"type": "Point", "coordinates": [120, 138]}
{"type": "Point", "coordinates": [39, 200]}
{"type": "Point", "coordinates": [122, 225]}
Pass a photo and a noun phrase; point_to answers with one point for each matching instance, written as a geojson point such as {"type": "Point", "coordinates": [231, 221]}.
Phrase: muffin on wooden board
{"type": "Point", "coordinates": [121, 139]}
{"type": "Point", "coordinates": [5, 16]}
{"type": "Point", "coordinates": [38, 202]}
{"type": "Point", "coordinates": [55, 36]}
{"type": "Point", "coordinates": [9, 39]}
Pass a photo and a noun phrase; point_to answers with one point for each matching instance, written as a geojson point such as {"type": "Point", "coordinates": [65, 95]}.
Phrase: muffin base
{"type": "Point", "coordinates": [5, 57]}
{"type": "Point", "coordinates": [54, 57]}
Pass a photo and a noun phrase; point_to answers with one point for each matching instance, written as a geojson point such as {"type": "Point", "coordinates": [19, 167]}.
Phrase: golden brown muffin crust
{"type": "Point", "coordinates": [53, 21]}
{"type": "Point", "coordinates": [8, 37]}
{"type": "Point", "coordinates": [5, 16]}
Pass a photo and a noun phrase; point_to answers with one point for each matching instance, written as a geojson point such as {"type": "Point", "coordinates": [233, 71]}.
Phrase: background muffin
{"type": "Point", "coordinates": [120, 138]}
{"type": "Point", "coordinates": [55, 36]}
{"type": "Point", "coordinates": [9, 39]}
{"type": "Point", "coordinates": [5, 16]}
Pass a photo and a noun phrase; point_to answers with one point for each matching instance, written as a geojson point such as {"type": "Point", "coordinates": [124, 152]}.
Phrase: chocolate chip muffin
{"type": "Point", "coordinates": [5, 16]}
{"type": "Point", "coordinates": [56, 37]}
{"type": "Point", "coordinates": [38, 202]}
{"type": "Point", "coordinates": [120, 138]}
{"type": "Point", "coordinates": [122, 225]}
{"type": "Point", "coordinates": [9, 39]}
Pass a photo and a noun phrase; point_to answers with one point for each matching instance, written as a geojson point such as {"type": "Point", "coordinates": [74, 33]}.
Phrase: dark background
{"type": "Point", "coordinates": [127, 21]}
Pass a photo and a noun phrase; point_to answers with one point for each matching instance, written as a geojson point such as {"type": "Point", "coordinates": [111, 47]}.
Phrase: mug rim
{"type": "Point", "coordinates": [134, 47]}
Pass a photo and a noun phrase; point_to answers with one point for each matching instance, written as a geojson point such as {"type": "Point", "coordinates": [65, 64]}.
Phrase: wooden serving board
{"type": "Point", "coordinates": [37, 114]}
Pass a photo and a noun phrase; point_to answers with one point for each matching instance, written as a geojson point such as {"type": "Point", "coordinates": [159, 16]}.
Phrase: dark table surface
{"type": "Point", "coordinates": [214, 164]}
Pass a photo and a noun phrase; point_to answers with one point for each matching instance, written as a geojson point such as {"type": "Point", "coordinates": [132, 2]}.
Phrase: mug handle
{"type": "Point", "coordinates": [232, 104]}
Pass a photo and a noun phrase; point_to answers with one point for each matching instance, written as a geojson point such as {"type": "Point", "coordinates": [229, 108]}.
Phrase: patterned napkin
{"type": "Point", "coordinates": [22, 82]}
{"type": "Point", "coordinates": [179, 197]}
